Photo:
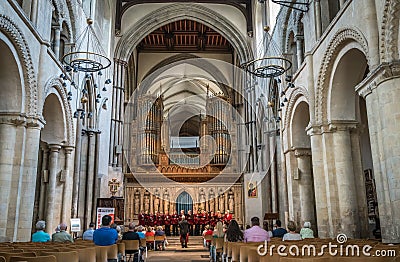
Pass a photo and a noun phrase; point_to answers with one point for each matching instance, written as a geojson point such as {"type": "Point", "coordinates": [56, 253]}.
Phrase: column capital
{"type": "Point", "coordinates": [334, 126]}
{"type": "Point", "coordinates": [382, 73]}
{"type": "Point", "coordinates": [68, 149]}
{"type": "Point", "coordinates": [301, 152]}
{"type": "Point", "coordinates": [54, 148]}
{"type": "Point", "coordinates": [22, 120]}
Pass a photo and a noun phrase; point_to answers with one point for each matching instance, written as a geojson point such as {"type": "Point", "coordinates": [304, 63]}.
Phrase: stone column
{"type": "Point", "coordinates": [51, 189]}
{"type": "Point", "coordinates": [273, 172]}
{"type": "Point", "coordinates": [318, 22]}
{"type": "Point", "coordinates": [299, 47]}
{"type": "Point", "coordinates": [307, 202]}
{"type": "Point", "coordinates": [77, 160]}
{"type": "Point", "coordinates": [345, 179]}
{"type": "Point", "coordinates": [43, 182]}
{"type": "Point", "coordinates": [7, 144]}
{"type": "Point", "coordinates": [67, 193]}
{"type": "Point", "coordinates": [381, 92]}
{"type": "Point", "coordinates": [321, 205]}
{"type": "Point", "coordinates": [90, 177]}
{"type": "Point", "coordinates": [57, 37]}
{"type": "Point", "coordinates": [23, 226]}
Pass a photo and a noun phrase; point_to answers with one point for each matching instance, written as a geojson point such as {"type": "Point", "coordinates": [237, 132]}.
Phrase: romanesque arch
{"type": "Point", "coordinates": [14, 34]}
{"type": "Point", "coordinates": [176, 12]}
{"type": "Point", "coordinates": [339, 40]}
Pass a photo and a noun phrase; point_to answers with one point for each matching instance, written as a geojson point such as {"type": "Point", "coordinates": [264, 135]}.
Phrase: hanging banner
{"type": "Point", "coordinates": [102, 211]}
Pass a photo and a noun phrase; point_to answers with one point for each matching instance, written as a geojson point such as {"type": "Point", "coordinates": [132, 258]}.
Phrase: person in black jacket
{"type": "Point", "coordinates": [184, 231]}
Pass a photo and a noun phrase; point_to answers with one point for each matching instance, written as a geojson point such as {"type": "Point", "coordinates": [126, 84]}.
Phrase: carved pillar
{"type": "Point", "coordinates": [77, 160]}
{"type": "Point", "coordinates": [318, 22]}
{"type": "Point", "coordinates": [43, 182]}
{"type": "Point", "coordinates": [67, 193]}
{"type": "Point", "coordinates": [142, 200]}
{"type": "Point", "coordinates": [51, 189]}
{"type": "Point", "coordinates": [7, 145]}
{"type": "Point", "coordinates": [307, 203]}
{"type": "Point", "coordinates": [151, 203]}
{"type": "Point", "coordinates": [345, 179]}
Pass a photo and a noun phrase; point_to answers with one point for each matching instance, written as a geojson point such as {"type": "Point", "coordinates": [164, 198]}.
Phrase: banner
{"type": "Point", "coordinates": [75, 224]}
{"type": "Point", "coordinates": [102, 211]}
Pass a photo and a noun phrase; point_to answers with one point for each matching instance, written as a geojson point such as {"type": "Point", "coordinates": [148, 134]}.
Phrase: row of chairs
{"type": "Point", "coordinates": [248, 252]}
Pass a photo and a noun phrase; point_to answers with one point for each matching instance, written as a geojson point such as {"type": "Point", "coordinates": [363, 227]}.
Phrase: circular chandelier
{"type": "Point", "coordinates": [87, 69]}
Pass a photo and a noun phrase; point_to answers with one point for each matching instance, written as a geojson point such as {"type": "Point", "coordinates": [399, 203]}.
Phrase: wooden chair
{"type": "Point", "coordinates": [34, 259]}
{"type": "Point", "coordinates": [112, 252]}
{"type": "Point", "coordinates": [132, 247]}
{"type": "Point", "coordinates": [252, 255]}
{"type": "Point", "coordinates": [121, 249]}
{"type": "Point", "coordinates": [219, 246]}
{"type": "Point", "coordinates": [158, 240]}
{"type": "Point", "coordinates": [209, 240]}
{"type": "Point", "coordinates": [101, 253]}
{"type": "Point", "coordinates": [7, 256]}
{"type": "Point", "coordinates": [67, 256]}
{"type": "Point", "coordinates": [150, 240]}
{"type": "Point", "coordinates": [2, 259]}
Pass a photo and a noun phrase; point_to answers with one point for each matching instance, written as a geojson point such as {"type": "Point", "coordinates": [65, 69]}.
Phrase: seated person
{"type": "Point", "coordinates": [140, 232]}
{"type": "Point", "coordinates": [40, 235]}
{"type": "Point", "coordinates": [88, 234]}
{"type": "Point", "coordinates": [208, 232]}
{"type": "Point", "coordinates": [291, 235]}
{"type": "Point", "coordinates": [149, 233]}
{"type": "Point", "coordinates": [62, 236]}
{"type": "Point", "coordinates": [255, 233]}
{"type": "Point", "coordinates": [131, 235]}
{"type": "Point", "coordinates": [160, 244]}
{"type": "Point", "coordinates": [306, 231]}
{"type": "Point", "coordinates": [105, 236]}
{"type": "Point", "coordinates": [279, 231]}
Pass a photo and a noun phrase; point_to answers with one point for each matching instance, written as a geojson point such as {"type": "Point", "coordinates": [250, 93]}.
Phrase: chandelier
{"type": "Point", "coordinates": [299, 5]}
{"type": "Point", "coordinates": [87, 69]}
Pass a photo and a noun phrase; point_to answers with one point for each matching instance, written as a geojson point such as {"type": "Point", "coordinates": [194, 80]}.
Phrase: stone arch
{"type": "Point", "coordinates": [179, 11]}
{"type": "Point", "coordinates": [14, 34]}
{"type": "Point", "coordinates": [390, 31]}
{"type": "Point", "coordinates": [339, 40]}
{"type": "Point", "coordinates": [299, 120]}
{"type": "Point", "coordinates": [294, 96]}
{"type": "Point", "coordinates": [54, 86]}
{"type": "Point", "coordinates": [12, 83]}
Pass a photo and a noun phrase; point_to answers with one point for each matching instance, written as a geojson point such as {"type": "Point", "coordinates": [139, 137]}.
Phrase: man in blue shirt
{"type": "Point", "coordinates": [88, 234]}
{"type": "Point", "coordinates": [105, 236]}
{"type": "Point", "coordinates": [279, 231]}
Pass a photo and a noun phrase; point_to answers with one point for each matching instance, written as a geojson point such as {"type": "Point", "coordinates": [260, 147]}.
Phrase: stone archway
{"type": "Point", "coordinates": [343, 118]}
{"type": "Point", "coordinates": [184, 202]}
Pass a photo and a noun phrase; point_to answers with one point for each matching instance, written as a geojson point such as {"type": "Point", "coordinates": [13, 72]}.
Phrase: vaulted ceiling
{"type": "Point", "coordinates": [185, 36]}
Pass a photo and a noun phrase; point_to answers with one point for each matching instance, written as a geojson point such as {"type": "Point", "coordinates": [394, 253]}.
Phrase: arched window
{"type": "Point", "coordinates": [54, 27]}
{"type": "Point", "coordinates": [64, 40]}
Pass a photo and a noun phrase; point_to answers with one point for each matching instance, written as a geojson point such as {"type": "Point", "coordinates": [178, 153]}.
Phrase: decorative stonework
{"type": "Point", "coordinates": [382, 73]}
{"type": "Point", "coordinates": [175, 12]}
{"type": "Point", "coordinates": [293, 97]}
{"type": "Point", "coordinates": [341, 38]}
{"type": "Point", "coordinates": [11, 30]}
{"type": "Point", "coordinates": [56, 83]}
{"type": "Point", "coordinates": [390, 31]}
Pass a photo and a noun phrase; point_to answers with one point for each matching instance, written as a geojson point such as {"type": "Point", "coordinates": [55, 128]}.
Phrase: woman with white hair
{"type": "Point", "coordinates": [306, 231]}
{"type": "Point", "coordinates": [40, 235]}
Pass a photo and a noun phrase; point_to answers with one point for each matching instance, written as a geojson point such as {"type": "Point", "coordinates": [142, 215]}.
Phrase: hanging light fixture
{"type": "Point", "coordinates": [299, 5]}
{"type": "Point", "coordinates": [87, 69]}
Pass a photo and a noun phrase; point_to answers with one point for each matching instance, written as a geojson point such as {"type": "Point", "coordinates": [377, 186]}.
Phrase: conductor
{"type": "Point", "coordinates": [184, 232]}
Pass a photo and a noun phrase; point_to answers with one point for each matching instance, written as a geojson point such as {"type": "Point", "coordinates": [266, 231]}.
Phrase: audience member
{"type": "Point", "coordinates": [266, 228]}
{"type": "Point", "coordinates": [208, 232]}
{"type": "Point", "coordinates": [233, 233]}
{"type": "Point", "coordinates": [279, 231]}
{"type": "Point", "coordinates": [88, 234]}
{"type": "Point", "coordinates": [40, 235]}
{"type": "Point", "coordinates": [306, 231]}
{"type": "Point", "coordinates": [218, 233]}
{"type": "Point", "coordinates": [256, 233]}
{"type": "Point", "coordinates": [160, 244]}
{"type": "Point", "coordinates": [131, 234]}
{"type": "Point", "coordinates": [140, 232]}
{"type": "Point", "coordinates": [105, 236]}
{"type": "Point", "coordinates": [291, 235]}
{"type": "Point", "coordinates": [63, 235]}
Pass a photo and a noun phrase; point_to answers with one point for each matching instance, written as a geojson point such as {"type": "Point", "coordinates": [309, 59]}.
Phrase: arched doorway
{"type": "Point", "coordinates": [184, 202]}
